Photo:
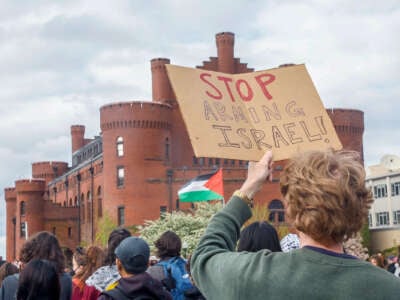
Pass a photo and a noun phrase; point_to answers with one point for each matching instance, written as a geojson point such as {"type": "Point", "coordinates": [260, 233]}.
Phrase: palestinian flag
{"type": "Point", "coordinates": [203, 188]}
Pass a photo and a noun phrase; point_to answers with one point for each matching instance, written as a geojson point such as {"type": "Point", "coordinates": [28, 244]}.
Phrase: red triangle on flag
{"type": "Point", "coordinates": [216, 183]}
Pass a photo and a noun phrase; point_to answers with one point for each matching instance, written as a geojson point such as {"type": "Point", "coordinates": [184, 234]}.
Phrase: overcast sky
{"type": "Point", "coordinates": [61, 60]}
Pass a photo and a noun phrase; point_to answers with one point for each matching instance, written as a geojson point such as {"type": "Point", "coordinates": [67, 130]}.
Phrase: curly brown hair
{"type": "Point", "coordinates": [325, 194]}
{"type": "Point", "coordinates": [43, 245]}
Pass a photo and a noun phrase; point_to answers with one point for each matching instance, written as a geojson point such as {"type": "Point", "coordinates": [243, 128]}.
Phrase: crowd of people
{"type": "Point", "coordinates": [326, 200]}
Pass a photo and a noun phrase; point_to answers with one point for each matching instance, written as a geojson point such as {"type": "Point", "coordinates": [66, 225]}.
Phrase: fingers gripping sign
{"type": "Point", "coordinates": [257, 173]}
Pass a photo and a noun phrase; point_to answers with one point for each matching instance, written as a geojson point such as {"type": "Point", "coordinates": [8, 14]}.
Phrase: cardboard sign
{"type": "Point", "coordinates": [240, 116]}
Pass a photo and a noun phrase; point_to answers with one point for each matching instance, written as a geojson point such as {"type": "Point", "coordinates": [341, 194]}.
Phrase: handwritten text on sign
{"type": "Point", "coordinates": [240, 116]}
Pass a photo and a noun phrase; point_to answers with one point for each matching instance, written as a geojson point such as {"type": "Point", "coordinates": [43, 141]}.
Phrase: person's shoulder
{"type": "Point", "coordinates": [11, 279]}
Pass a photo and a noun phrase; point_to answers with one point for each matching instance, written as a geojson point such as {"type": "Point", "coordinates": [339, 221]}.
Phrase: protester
{"type": "Point", "coordinates": [192, 293]}
{"type": "Point", "coordinates": [108, 273]}
{"type": "Point", "coordinates": [290, 242]}
{"type": "Point", "coordinates": [84, 262]}
{"type": "Point", "coordinates": [171, 269]}
{"type": "Point", "coordinates": [376, 260]}
{"type": "Point", "coordinates": [393, 265]}
{"type": "Point", "coordinates": [42, 245]}
{"type": "Point", "coordinates": [39, 280]}
{"type": "Point", "coordinates": [68, 261]}
{"type": "Point", "coordinates": [132, 258]}
{"type": "Point", "coordinates": [257, 236]}
{"type": "Point", "coordinates": [7, 269]}
{"type": "Point", "coordinates": [327, 201]}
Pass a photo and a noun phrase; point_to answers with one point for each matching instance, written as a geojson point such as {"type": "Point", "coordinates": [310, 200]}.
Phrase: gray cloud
{"type": "Point", "coordinates": [61, 60]}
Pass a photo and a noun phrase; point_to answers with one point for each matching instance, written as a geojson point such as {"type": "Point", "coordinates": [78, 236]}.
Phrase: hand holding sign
{"type": "Point", "coordinates": [240, 116]}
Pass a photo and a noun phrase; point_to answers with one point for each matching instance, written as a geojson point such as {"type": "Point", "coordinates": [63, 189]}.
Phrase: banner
{"type": "Point", "coordinates": [240, 116]}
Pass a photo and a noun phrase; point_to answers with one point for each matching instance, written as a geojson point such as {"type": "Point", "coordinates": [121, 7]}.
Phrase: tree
{"type": "Point", "coordinates": [189, 226]}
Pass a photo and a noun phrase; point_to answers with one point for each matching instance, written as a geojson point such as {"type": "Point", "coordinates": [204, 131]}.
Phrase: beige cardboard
{"type": "Point", "coordinates": [240, 116]}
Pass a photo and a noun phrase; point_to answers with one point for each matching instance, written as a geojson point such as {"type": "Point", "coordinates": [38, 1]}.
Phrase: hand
{"type": "Point", "coordinates": [257, 173]}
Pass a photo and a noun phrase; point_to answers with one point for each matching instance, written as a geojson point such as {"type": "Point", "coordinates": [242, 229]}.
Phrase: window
{"type": "Point", "coordinates": [89, 206]}
{"type": "Point", "coordinates": [69, 232]}
{"type": "Point", "coordinates": [382, 218]}
{"type": "Point", "coordinates": [276, 211]}
{"type": "Point", "coordinates": [210, 162]}
{"type": "Point", "coordinates": [395, 188]}
{"type": "Point", "coordinates": [217, 161]}
{"type": "Point", "coordinates": [120, 176]}
{"type": "Point", "coordinates": [54, 230]}
{"type": "Point", "coordinates": [83, 207]}
{"type": "Point", "coordinates": [120, 146]}
{"type": "Point", "coordinates": [166, 149]}
{"type": "Point", "coordinates": [380, 191]}
{"type": "Point", "coordinates": [22, 231]}
{"type": "Point", "coordinates": [99, 204]}
{"type": "Point", "coordinates": [396, 217]}
{"type": "Point", "coordinates": [369, 220]}
{"type": "Point", "coordinates": [121, 216]}
{"type": "Point", "coordinates": [163, 212]}
{"type": "Point", "coordinates": [22, 208]}
{"type": "Point", "coordinates": [195, 160]}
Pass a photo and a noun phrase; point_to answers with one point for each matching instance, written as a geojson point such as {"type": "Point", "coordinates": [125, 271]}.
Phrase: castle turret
{"type": "Point", "coordinates": [77, 137]}
{"type": "Point", "coordinates": [30, 214]}
{"type": "Point", "coordinates": [11, 228]}
{"type": "Point", "coordinates": [161, 87]}
{"type": "Point", "coordinates": [225, 48]}
{"type": "Point", "coordinates": [349, 125]}
{"type": "Point", "coordinates": [48, 170]}
{"type": "Point", "coordinates": [136, 136]}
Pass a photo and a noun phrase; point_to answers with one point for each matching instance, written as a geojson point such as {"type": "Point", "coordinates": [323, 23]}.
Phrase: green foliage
{"type": "Point", "coordinates": [189, 226]}
{"type": "Point", "coordinates": [104, 228]}
{"type": "Point", "coordinates": [365, 236]}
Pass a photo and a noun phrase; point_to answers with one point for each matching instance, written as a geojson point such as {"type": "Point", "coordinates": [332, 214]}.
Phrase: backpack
{"type": "Point", "coordinates": [176, 279]}
{"type": "Point", "coordinates": [118, 294]}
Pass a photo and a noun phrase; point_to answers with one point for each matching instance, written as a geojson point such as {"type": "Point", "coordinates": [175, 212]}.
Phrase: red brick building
{"type": "Point", "coordinates": [132, 172]}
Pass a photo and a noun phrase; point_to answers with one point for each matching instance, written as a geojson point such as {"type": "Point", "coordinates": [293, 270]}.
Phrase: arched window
{"type": "Point", "coordinates": [89, 206]}
{"type": "Point", "coordinates": [83, 207]}
{"type": "Point", "coordinates": [76, 201]}
{"type": "Point", "coordinates": [70, 201]}
{"type": "Point", "coordinates": [22, 208]}
{"type": "Point", "coordinates": [276, 211]}
{"type": "Point", "coordinates": [167, 149]}
{"type": "Point", "coordinates": [99, 203]}
{"type": "Point", "coordinates": [120, 146]}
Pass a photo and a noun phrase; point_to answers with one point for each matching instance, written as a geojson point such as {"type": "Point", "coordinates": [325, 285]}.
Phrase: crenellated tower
{"type": "Point", "coordinates": [10, 196]}
{"type": "Point", "coordinates": [29, 207]}
{"type": "Point", "coordinates": [349, 125]}
{"type": "Point", "coordinates": [136, 139]}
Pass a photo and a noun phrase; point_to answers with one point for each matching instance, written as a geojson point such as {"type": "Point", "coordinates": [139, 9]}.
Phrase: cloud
{"type": "Point", "coordinates": [61, 60]}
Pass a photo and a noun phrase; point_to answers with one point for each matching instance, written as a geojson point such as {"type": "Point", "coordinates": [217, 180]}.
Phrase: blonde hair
{"type": "Point", "coordinates": [325, 194]}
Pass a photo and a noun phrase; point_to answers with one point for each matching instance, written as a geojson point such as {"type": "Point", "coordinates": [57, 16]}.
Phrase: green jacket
{"type": "Point", "coordinates": [221, 273]}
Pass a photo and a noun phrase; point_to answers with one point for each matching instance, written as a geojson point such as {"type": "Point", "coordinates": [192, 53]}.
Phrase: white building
{"type": "Point", "coordinates": [384, 215]}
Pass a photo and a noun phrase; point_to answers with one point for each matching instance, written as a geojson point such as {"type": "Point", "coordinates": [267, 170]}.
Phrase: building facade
{"type": "Point", "coordinates": [384, 216]}
{"type": "Point", "coordinates": [133, 170]}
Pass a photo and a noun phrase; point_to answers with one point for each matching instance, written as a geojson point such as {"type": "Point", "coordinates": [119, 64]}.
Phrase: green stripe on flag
{"type": "Point", "coordinates": [197, 196]}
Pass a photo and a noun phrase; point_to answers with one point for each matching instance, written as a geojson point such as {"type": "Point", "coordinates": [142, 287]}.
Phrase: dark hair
{"type": "Point", "coordinates": [43, 245]}
{"type": "Point", "coordinates": [7, 269]}
{"type": "Point", "coordinates": [67, 258]}
{"type": "Point", "coordinates": [115, 238]}
{"type": "Point", "coordinates": [39, 280]}
{"type": "Point", "coordinates": [257, 236]}
{"type": "Point", "coordinates": [168, 245]}
{"type": "Point", "coordinates": [90, 260]}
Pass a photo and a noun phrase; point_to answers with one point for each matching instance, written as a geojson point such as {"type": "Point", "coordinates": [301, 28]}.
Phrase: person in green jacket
{"type": "Point", "coordinates": [327, 201]}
